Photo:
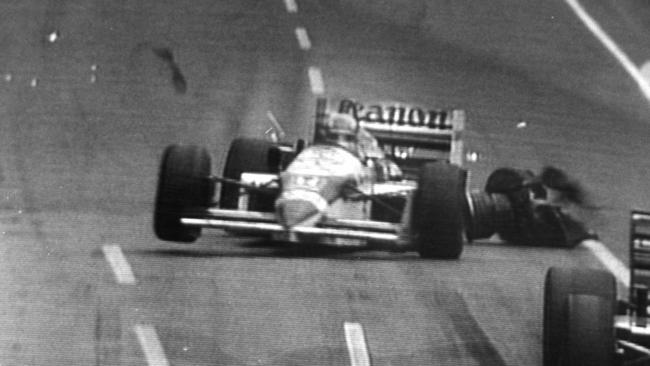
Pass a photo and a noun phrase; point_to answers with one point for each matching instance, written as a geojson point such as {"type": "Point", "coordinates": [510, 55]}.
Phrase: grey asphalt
{"type": "Point", "coordinates": [84, 120]}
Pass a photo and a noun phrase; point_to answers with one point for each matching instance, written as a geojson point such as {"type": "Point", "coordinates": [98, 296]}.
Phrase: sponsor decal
{"type": "Point", "coordinates": [399, 115]}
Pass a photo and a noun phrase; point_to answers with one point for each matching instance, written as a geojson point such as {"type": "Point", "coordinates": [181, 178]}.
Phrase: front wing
{"type": "Point", "coordinates": [361, 233]}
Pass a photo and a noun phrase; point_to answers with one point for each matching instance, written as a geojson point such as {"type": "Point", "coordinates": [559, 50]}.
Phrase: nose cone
{"type": "Point", "coordinates": [295, 212]}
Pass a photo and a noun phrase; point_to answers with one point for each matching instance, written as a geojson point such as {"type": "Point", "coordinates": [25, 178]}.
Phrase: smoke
{"type": "Point", "coordinates": [564, 188]}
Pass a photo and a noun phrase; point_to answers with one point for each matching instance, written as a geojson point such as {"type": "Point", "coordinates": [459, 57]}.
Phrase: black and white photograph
{"type": "Point", "coordinates": [324, 182]}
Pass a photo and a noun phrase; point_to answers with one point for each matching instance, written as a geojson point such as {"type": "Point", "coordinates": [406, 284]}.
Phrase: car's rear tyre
{"type": "Point", "coordinates": [437, 211]}
{"type": "Point", "coordinates": [511, 183]}
{"type": "Point", "coordinates": [569, 308]}
{"type": "Point", "coordinates": [246, 155]}
{"type": "Point", "coordinates": [183, 183]}
{"type": "Point", "coordinates": [486, 214]}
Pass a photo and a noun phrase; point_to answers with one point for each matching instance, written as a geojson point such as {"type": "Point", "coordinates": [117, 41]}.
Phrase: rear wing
{"type": "Point", "coordinates": [639, 255]}
{"type": "Point", "coordinates": [410, 135]}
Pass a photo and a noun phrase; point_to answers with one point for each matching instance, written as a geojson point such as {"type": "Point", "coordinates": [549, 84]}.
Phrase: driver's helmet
{"type": "Point", "coordinates": [339, 129]}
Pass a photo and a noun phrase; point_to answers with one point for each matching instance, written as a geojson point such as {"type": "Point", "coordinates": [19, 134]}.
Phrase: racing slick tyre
{"type": "Point", "coordinates": [246, 155]}
{"type": "Point", "coordinates": [437, 211]}
{"type": "Point", "coordinates": [511, 183]}
{"type": "Point", "coordinates": [590, 331]}
{"type": "Point", "coordinates": [487, 214]}
{"type": "Point", "coordinates": [578, 316]}
{"type": "Point", "coordinates": [183, 183]}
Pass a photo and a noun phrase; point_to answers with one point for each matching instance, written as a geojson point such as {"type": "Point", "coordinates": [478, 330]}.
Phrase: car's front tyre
{"type": "Point", "coordinates": [183, 183]}
{"type": "Point", "coordinates": [246, 155]}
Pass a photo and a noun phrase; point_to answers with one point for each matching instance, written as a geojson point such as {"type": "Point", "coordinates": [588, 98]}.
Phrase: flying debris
{"type": "Point", "coordinates": [178, 79]}
{"type": "Point", "coordinates": [53, 37]}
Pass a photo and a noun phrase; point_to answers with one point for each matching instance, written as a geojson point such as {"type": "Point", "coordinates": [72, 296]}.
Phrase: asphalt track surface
{"type": "Point", "coordinates": [92, 91]}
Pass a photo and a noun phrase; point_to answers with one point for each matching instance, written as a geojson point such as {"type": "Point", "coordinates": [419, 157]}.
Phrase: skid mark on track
{"type": "Point", "coordinates": [474, 341]}
{"type": "Point", "coordinates": [108, 335]}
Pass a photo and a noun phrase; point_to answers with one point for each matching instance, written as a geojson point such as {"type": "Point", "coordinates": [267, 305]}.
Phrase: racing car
{"type": "Point", "coordinates": [585, 324]}
{"type": "Point", "coordinates": [373, 176]}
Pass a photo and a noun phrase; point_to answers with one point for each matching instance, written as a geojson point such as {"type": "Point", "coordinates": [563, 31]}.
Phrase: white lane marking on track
{"type": "Point", "coordinates": [303, 38]}
{"type": "Point", "coordinates": [151, 346]}
{"type": "Point", "coordinates": [356, 342]}
{"type": "Point", "coordinates": [609, 260]}
{"type": "Point", "coordinates": [645, 71]}
{"type": "Point", "coordinates": [595, 28]}
{"type": "Point", "coordinates": [316, 80]}
{"type": "Point", "coordinates": [291, 5]}
{"type": "Point", "coordinates": [117, 261]}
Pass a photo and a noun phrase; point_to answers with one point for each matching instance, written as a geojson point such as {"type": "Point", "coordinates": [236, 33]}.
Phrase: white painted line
{"type": "Point", "coordinates": [316, 80]}
{"type": "Point", "coordinates": [303, 38]}
{"type": "Point", "coordinates": [120, 266]}
{"type": "Point", "coordinates": [151, 346]}
{"type": "Point", "coordinates": [595, 28]}
{"type": "Point", "coordinates": [613, 264]}
{"type": "Point", "coordinates": [291, 5]}
{"type": "Point", "coordinates": [645, 71]}
{"type": "Point", "coordinates": [356, 342]}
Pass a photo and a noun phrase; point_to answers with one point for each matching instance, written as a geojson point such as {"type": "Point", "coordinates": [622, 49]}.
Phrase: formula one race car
{"type": "Point", "coordinates": [584, 324]}
{"type": "Point", "coordinates": [385, 176]}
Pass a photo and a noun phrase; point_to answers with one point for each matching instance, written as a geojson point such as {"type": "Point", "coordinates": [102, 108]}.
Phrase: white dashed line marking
{"type": "Point", "coordinates": [356, 342]}
{"type": "Point", "coordinates": [291, 5]}
{"type": "Point", "coordinates": [609, 260]}
{"type": "Point", "coordinates": [595, 28]}
{"type": "Point", "coordinates": [303, 38]}
{"type": "Point", "coordinates": [316, 81]}
{"type": "Point", "coordinates": [118, 263]}
{"type": "Point", "coordinates": [151, 346]}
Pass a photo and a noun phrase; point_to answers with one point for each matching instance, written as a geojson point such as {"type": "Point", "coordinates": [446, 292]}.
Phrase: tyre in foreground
{"type": "Point", "coordinates": [579, 317]}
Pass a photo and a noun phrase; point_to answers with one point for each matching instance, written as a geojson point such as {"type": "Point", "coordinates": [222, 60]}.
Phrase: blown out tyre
{"type": "Point", "coordinates": [572, 297]}
{"type": "Point", "coordinates": [183, 183]}
{"type": "Point", "coordinates": [246, 155]}
{"type": "Point", "coordinates": [437, 211]}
